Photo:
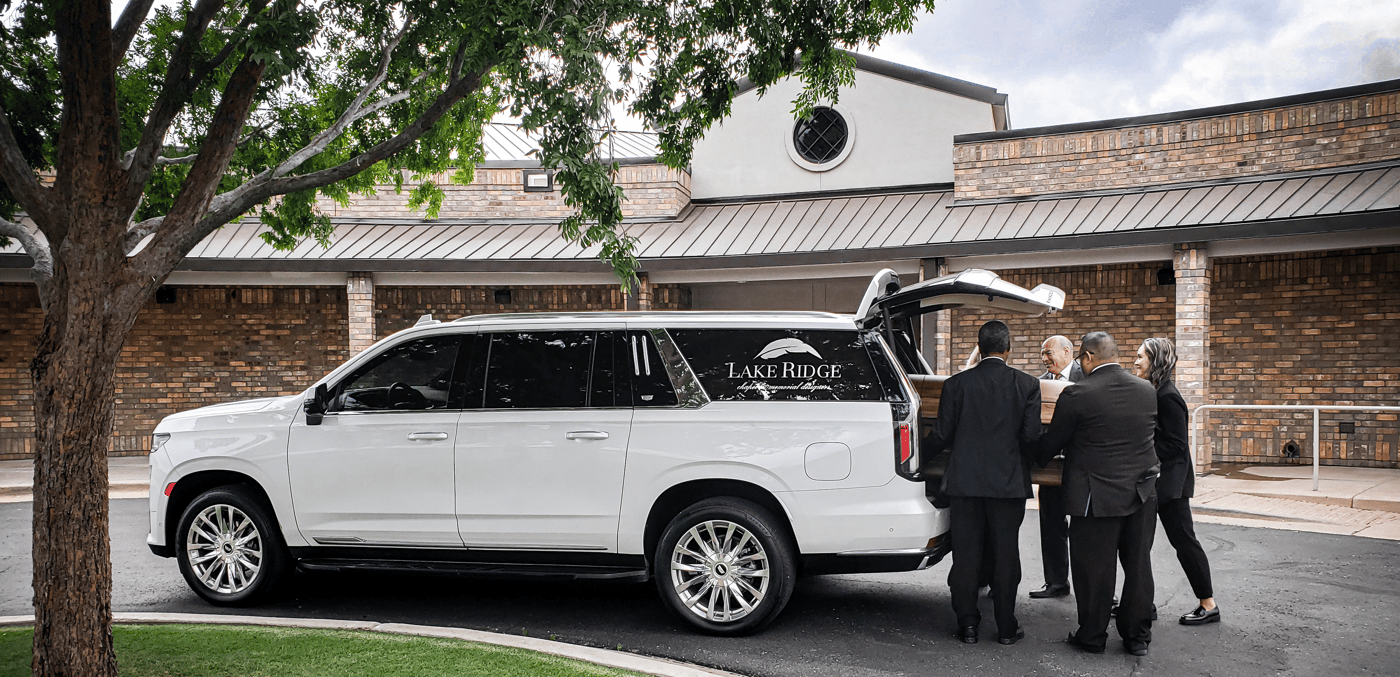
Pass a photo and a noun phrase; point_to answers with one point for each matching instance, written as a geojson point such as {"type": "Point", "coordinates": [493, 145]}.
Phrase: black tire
{"type": "Point", "coordinates": [230, 549]}
{"type": "Point", "coordinates": [749, 564]}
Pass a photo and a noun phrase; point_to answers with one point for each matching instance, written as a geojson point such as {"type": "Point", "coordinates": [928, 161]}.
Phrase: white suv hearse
{"type": "Point", "coordinates": [720, 453]}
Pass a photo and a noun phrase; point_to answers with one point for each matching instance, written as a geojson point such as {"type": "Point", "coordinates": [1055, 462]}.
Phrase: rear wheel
{"type": "Point", "coordinates": [726, 566]}
{"type": "Point", "coordinates": [229, 548]}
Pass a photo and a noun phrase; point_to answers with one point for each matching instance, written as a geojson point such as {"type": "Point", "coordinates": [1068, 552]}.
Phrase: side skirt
{"type": "Point", "coordinates": [477, 563]}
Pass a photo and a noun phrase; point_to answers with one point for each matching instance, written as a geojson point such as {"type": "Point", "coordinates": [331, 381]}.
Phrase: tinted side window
{"type": "Point", "coordinates": [781, 364]}
{"type": "Point", "coordinates": [538, 370]}
{"type": "Point", "coordinates": [414, 375]}
{"type": "Point", "coordinates": [651, 385]}
{"type": "Point", "coordinates": [603, 389]}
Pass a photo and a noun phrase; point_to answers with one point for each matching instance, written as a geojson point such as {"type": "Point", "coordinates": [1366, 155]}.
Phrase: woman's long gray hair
{"type": "Point", "coordinates": [1161, 360]}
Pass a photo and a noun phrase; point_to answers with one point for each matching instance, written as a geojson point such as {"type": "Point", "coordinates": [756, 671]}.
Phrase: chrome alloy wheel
{"type": "Point", "coordinates": [224, 549]}
{"type": "Point", "coordinates": [720, 571]}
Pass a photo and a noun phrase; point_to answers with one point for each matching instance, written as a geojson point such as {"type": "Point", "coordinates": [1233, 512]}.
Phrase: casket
{"type": "Point", "coordinates": [930, 388]}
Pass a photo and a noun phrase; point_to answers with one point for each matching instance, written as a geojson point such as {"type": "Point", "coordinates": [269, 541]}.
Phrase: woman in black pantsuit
{"type": "Point", "coordinates": [1156, 362]}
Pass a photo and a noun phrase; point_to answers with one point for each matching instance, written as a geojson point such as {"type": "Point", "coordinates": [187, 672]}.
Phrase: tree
{"type": "Point", "coordinates": [176, 121]}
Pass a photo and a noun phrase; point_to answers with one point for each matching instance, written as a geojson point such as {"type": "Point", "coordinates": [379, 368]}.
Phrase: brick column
{"type": "Point", "coordinates": [1192, 264]}
{"type": "Point", "coordinates": [937, 327]}
{"type": "Point", "coordinates": [639, 293]}
{"type": "Point", "coordinates": [359, 295]}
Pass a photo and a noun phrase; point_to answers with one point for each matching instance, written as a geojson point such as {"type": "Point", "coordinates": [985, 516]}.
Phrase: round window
{"type": "Point", "coordinates": [823, 141]}
{"type": "Point", "coordinates": [822, 138]}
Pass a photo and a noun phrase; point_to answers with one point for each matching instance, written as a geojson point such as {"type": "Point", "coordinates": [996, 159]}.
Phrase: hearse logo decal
{"type": "Point", "coordinates": [782, 347]}
{"type": "Point", "coordinates": [759, 374]}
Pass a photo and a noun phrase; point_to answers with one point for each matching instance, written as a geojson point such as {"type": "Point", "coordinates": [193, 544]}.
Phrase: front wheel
{"type": "Point", "coordinates": [229, 549]}
{"type": "Point", "coordinates": [725, 566]}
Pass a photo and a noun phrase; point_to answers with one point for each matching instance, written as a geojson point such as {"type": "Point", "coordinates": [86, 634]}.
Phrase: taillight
{"type": "Point", "coordinates": [906, 440]}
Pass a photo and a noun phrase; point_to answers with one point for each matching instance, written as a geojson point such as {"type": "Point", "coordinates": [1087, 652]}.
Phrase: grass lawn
{"type": "Point", "coordinates": [251, 651]}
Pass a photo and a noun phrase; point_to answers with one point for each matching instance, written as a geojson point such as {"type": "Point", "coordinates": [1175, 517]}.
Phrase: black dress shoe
{"type": "Point", "coordinates": [1201, 616]}
{"type": "Point", "coordinates": [1075, 642]}
{"type": "Point", "coordinates": [968, 634]}
{"type": "Point", "coordinates": [1136, 648]}
{"type": "Point", "coordinates": [1047, 591]}
{"type": "Point", "coordinates": [1020, 635]}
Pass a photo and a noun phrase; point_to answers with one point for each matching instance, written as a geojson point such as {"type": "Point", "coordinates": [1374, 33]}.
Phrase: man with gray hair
{"type": "Point", "coordinates": [1104, 425]}
{"type": "Point", "coordinates": [1057, 354]}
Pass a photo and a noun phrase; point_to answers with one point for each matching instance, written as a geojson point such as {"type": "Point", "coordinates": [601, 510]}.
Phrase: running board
{"type": "Point", "coordinates": [481, 569]}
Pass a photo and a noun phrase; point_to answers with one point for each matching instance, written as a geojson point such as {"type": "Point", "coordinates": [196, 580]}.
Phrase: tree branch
{"type": "Point", "coordinates": [125, 30]}
{"type": "Point", "coordinates": [175, 93]}
{"type": "Point", "coordinates": [354, 111]}
{"type": "Point", "coordinates": [258, 189]}
{"type": "Point", "coordinates": [138, 232]}
{"type": "Point", "coordinates": [19, 176]}
{"type": "Point", "coordinates": [182, 160]}
{"type": "Point", "coordinates": [37, 250]}
{"type": "Point", "coordinates": [198, 189]}
{"type": "Point", "coordinates": [162, 160]}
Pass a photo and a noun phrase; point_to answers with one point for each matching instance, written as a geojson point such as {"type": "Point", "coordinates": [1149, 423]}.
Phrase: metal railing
{"type": "Point", "coordinates": [1316, 409]}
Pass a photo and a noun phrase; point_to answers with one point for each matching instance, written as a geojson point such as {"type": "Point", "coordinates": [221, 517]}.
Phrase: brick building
{"type": "Point", "coordinates": [1264, 237]}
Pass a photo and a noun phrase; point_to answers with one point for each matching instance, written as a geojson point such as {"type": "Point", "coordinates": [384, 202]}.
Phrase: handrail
{"type": "Point", "coordinates": [1315, 408]}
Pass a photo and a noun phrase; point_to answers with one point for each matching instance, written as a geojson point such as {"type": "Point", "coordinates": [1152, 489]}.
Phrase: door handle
{"type": "Point", "coordinates": [587, 435]}
{"type": "Point", "coordinates": [427, 437]}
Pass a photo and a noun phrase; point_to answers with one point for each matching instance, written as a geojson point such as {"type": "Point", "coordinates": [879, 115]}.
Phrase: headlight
{"type": "Point", "coordinates": [158, 440]}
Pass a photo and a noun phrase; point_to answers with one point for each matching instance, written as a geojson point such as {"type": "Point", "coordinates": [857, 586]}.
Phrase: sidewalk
{"type": "Point", "coordinates": [127, 477]}
{"type": "Point", "coordinates": [1354, 501]}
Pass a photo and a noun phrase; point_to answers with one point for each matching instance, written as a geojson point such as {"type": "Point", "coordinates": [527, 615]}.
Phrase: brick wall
{"type": "Point", "coordinates": [649, 190]}
{"type": "Point", "coordinates": [1123, 300]}
{"type": "Point", "coordinates": [1316, 328]}
{"type": "Point", "coordinates": [214, 344]}
{"type": "Point", "coordinates": [20, 323]}
{"type": "Point", "coordinates": [1312, 328]}
{"type": "Point", "coordinates": [1326, 134]}
{"type": "Point", "coordinates": [218, 344]}
{"type": "Point", "coordinates": [397, 308]}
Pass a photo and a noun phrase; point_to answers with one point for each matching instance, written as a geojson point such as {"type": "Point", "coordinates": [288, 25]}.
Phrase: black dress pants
{"type": "Point", "coordinates": [1054, 535]}
{"type": "Point", "coordinates": [980, 524]}
{"type": "Point", "coordinates": [1181, 533]}
{"type": "Point", "coordinates": [1094, 543]}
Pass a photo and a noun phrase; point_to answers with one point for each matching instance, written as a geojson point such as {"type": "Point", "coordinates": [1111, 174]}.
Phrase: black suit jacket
{"type": "Point", "coordinates": [1171, 441]}
{"type": "Point", "coordinates": [1104, 426]}
{"type": "Point", "coordinates": [990, 417]}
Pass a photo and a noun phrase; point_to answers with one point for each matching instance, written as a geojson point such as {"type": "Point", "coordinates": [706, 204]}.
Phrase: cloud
{"type": "Point", "coordinates": [1082, 60]}
{"type": "Point", "coordinates": [1381, 61]}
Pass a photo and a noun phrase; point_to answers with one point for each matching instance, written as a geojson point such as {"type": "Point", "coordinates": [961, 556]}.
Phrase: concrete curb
{"type": "Point", "coordinates": [20, 494]}
{"type": "Point", "coordinates": [606, 657]}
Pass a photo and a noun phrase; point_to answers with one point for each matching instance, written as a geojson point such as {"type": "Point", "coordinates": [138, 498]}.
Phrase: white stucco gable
{"type": "Point", "coordinates": [902, 124]}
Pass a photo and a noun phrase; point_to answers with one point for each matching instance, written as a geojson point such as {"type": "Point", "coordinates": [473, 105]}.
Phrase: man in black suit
{"type": "Point", "coordinates": [1057, 353]}
{"type": "Point", "coordinates": [989, 416]}
{"type": "Point", "coordinates": [1104, 426]}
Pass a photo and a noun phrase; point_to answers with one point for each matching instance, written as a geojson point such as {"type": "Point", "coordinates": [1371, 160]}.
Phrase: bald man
{"type": "Point", "coordinates": [1104, 426]}
{"type": "Point", "coordinates": [1057, 354]}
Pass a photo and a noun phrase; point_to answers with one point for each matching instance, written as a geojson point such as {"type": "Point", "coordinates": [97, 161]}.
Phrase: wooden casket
{"type": "Point", "coordinates": [930, 388]}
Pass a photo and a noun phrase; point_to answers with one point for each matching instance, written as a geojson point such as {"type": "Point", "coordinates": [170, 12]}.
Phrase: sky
{"type": "Point", "coordinates": [1067, 61]}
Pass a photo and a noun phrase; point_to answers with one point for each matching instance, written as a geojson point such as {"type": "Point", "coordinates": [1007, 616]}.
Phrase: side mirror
{"type": "Point", "coordinates": [315, 407]}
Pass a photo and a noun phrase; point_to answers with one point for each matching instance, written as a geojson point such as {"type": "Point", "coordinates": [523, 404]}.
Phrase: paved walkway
{"type": "Point", "coordinates": [1355, 501]}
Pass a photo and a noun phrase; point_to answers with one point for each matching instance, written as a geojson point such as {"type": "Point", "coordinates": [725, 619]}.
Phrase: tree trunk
{"type": "Point", "coordinates": [85, 324]}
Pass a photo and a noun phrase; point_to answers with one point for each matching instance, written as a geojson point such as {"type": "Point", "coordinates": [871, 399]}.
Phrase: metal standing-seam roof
{"type": "Point", "coordinates": [842, 228]}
